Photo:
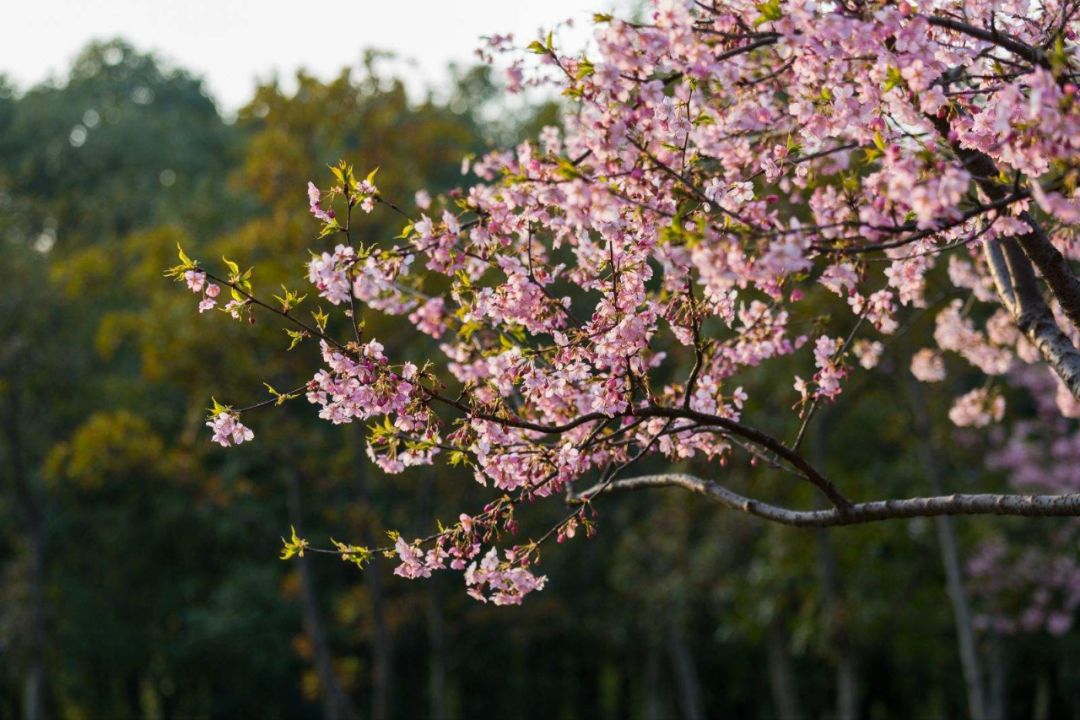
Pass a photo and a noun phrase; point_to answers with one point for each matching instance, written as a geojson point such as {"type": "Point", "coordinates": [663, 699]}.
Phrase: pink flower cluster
{"type": "Point", "coordinates": [329, 273]}
{"type": "Point", "coordinates": [504, 582]}
{"type": "Point", "coordinates": [315, 204]}
{"type": "Point", "coordinates": [228, 430]}
{"type": "Point", "coordinates": [197, 283]}
{"type": "Point", "coordinates": [358, 389]}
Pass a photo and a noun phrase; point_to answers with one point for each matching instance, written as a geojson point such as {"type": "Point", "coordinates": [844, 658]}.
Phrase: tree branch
{"type": "Point", "coordinates": [1052, 266]}
{"type": "Point", "coordinates": [1033, 55]}
{"type": "Point", "coordinates": [1035, 319]}
{"type": "Point", "coordinates": [981, 504]}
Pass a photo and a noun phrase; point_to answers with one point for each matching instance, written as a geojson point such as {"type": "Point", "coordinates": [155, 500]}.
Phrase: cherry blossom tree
{"type": "Point", "coordinates": [737, 188]}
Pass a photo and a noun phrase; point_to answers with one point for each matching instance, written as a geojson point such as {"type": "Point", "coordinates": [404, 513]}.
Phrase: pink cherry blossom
{"type": "Point", "coordinates": [228, 430]}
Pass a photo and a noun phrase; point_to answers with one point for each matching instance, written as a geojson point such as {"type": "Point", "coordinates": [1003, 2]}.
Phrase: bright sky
{"type": "Point", "coordinates": [230, 43]}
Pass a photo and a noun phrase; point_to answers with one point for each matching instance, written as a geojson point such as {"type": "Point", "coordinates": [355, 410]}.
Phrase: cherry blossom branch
{"type": "Point", "coordinates": [992, 36]}
{"type": "Point", "coordinates": [278, 399]}
{"type": "Point", "coordinates": [686, 182]}
{"type": "Point", "coordinates": [754, 435]}
{"type": "Point", "coordinates": [277, 311]}
{"type": "Point", "coordinates": [971, 214]}
{"type": "Point", "coordinates": [768, 442]}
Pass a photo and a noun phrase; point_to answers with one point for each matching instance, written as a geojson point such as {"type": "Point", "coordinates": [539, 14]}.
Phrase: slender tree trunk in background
{"type": "Point", "coordinates": [31, 509]}
{"type": "Point", "coordinates": [436, 638]}
{"type": "Point", "coordinates": [686, 675]}
{"type": "Point", "coordinates": [34, 684]}
{"type": "Point", "coordinates": [435, 626]}
{"type": "Point", "coordinates": [847, 688]}
{"type": "Point", "coordinates": [336, 704]}
{"type": "Point", "coordinates": [950, 555]}
{"type": "Point", "coordinates": [995, 697]}
{"type": "Point", "coordinates": [1040, 703]}
{"type": "Point", "coordinates": [654, 705]}
{"type": "Point", "coordinates": [847, 698]}
{"type": "Point", "coordinates": [996, 678]}
{"type": "Point", "coordinates": [381, 643]}
{"type": "Point", "coordinates": [781, 674]}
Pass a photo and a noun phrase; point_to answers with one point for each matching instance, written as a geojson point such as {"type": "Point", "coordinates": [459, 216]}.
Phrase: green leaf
{"type": "Point", "coordinates": [769, 11]}
{"type": "Point", "coordinates": [294, 547]}
{"type": "Point", "coordinates": [187, 262]}
{"type": "Point", "coordinates": [234, 269]}
{"type": "Point", "coordinates": [356, 554]}
{"type": "Point", "coordinates": [279, 398]}
{"type": "Point", "coordinates": [297, 337]}
{"type": "Point", "coordinates": [320, 318]}
{"type": "Point", "coordinates": [893, 78]}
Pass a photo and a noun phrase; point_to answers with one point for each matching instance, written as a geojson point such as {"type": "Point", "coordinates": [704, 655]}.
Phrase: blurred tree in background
{"type": "Point", "coordinates": [137, 565]}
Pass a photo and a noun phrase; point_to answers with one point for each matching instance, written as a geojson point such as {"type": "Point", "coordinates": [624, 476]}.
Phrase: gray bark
{"type": "Point", "coordinates": [956, 504]}
{"type": "Point", "coordinates": [1016, 285]}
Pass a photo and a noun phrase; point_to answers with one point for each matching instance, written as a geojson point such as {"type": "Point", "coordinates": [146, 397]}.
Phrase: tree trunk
{"type": "Point", "coordinates": [654, 704]}
{"type": "Point", "coordinates": [435, 627]}
{"type": "Point", "coordinates": [31, 510]}
{"type": "Point", "coordinates": [781, 674]}
{"type": "Point", "coordinates": [336, 704]}
{"type": "Point", "coordinates": [381, 642]}
{"type": "Point", "coordinates": [995, 698]}
{"type": "Point", "coordinates": [950, 556]}
{"type": "Point", "coordinates": [1040, 703]}
{"type": "Point", "coordinates": [835, 622]}
{"type": "Point", "coordinates": [686, 675]}
{"type": "Point", "coordinates": [847, 698]}
{"type": "Point", "coordinates": [437, 641]}
{"type": "Point", "coordinates": [34, 682]}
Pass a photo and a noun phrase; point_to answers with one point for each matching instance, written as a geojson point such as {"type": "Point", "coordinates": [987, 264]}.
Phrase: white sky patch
{"type": "Point", "coordinates": [232, 43]}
